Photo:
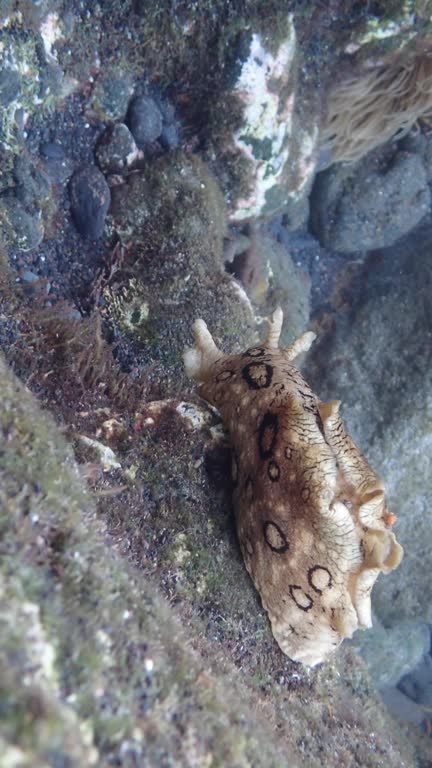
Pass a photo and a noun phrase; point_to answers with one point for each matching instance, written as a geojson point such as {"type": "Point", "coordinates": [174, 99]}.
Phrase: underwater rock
{"type": "Point", "coordinates": [116, 150]}
{"type": "Point", "coordinates": [275, 138]}
{"type": "Point", "coordinates": [145, 120]}
{"type": "Point", "coordinates": [33, 81]}
{"type": "Point", "coordinates": [50, 150]}
{"type": "Point", "coordinates": [377, 357]}
{"type": "Point", "coordinates": [111, 94]}
{"type": "Point", "coordinates": [90, 198]}
{"type": "Point", "coordinates": [57, 165]}
{"type": "Point", "coordinates": [18, 227]}
{"type": "Point", "coordinates": [171, 218]}
{"type": "Point", "coordinates": [418, 683]}
{"type": "Point", "coordinates": [132, 676]}
{"type": "Point", "coordinates": [169, 137]}
{"type": "Point", "coordinates": [371, 204]}
{"type": "Point", "coordinates": [58, 574]}
{"type": "Point", "coordinates": [32, 185]}
{"type": "Point", "coordinates": [391, 653]}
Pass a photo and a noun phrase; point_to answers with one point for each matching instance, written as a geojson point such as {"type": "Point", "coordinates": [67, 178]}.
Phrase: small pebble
{"type": "Point", "coordinates": [169, 137]}
{"type": "Point", "coordinates": [90, 199]}
{"type": "Point", "coordinates": [167, 110]}
{"type": "Point", "coordinates": [145, 120]}
{"type": "Point", "coordinates": [116, 149]}
{"type": "Point", "coordinates": [52, 151]}
{"type": "Point", "coordinates": [29, 277]}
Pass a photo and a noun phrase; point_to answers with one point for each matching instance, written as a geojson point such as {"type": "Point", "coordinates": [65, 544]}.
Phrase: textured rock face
{"type": "Point", "coordinates": [277, 147]}
{"type": "Point", "coordinates": [378, 360]}
{"type": "Point", "coordinates": [86, 647]}
{"type": "Point", "coordinates": [370, 205]}
{"type": "Point", "coordinates": [92, 657]}
{"type": "Point", "coordinates": [90, 197]}
{"type": "Point", "coordinates": [391, 653]}
{"type": "Point", "coordinates": [130, 633]}
{"type": "Point", "coordinates": [171, 219]}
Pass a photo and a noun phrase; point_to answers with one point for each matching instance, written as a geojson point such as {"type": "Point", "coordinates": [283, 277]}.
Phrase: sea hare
{"type": "Point", "coordinates": [311, 514]}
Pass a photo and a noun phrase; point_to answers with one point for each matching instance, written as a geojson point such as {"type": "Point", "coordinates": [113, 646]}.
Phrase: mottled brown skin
{"type": "Point", "coordinates": [310, 512]}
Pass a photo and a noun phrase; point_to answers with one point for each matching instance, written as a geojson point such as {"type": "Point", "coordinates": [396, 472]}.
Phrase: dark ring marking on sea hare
{"type": "Point", "coordinates": [275, 538]}
{"type": "Point", "coordinates": [257, 375]}
{"type": "Point", "coordinates": [254, 352]}
{"type": "Point", "coordinates": [320, 578]}
{"type": "Point", "coordinates": [267, 435]}
{"type": "Point", "coordinates": [224, 375]}
{"type": "Point", "coordinates": [299, 595]}
{"type": "Point", "coordinates": [273, 471]}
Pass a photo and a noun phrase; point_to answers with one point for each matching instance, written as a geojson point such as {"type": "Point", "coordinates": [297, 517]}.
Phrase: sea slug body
{"type": "Point", "coordinates": [311, 515]}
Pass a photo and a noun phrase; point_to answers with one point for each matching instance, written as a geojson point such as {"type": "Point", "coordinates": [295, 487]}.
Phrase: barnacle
{"type": "Point", "coordinates": [366, 110]}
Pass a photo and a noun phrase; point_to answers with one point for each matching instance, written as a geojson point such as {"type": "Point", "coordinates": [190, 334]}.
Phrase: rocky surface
{"type": "Point", "coordinates": [371, 204]}
{"type": "Point", "coordinates": [130, 632]}
{"type": "Point", "coordinates": [377, 361]}
{"type": "Point", "coordinates": [145, 120]}
{"type": "Point", "coordinates": [104, 671]}
{"type": "Point", "coordinates": [90, 199]}
{"type": "Point", "coordinates": [391, 653]}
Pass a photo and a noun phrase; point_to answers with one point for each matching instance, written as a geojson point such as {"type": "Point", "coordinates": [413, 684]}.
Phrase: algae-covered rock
{"type": "Point", "coordinates": [94, 667]}
{"type": "Point", "coordinates": [171, 220]}
{"type": "Point", "coordinates": [17, 226]}
{"type": "Point", "coordinates": [31, 76]}
{"type": "Point", "coordinates": [273, 140]}
{"type": "Point", "coordinates": [110, 97]}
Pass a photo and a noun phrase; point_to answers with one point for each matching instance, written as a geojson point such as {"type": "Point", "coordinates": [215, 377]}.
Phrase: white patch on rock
{"type": "Point", "coordinates": [264, 136]}
{"type": "Point", "coordinates": [50, 32]}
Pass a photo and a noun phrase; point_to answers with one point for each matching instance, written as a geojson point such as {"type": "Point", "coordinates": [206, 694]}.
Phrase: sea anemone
{"type": "Point", "coordinates": [369, 109]}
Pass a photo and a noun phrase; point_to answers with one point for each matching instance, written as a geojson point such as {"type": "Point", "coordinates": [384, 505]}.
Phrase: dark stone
{"type": "Point", "coordinates": [29, 277]}
{"type": "Point", "coordinates": [145, 120]}
{"type": "Point", "coordinates": [52, 151]}
{"type": "Point", "coordinates": [90, 199]}
{"type": "Point", "coordinates": [169, 137]}
{"type": "Point", "coordinates": [10, 86]}
{"type": "Point", "coordinates": [33, 186]}
{"type": "Point", "coordinates": [58, 167]}
{"type": "Point", "coordinates": [167, 110]}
